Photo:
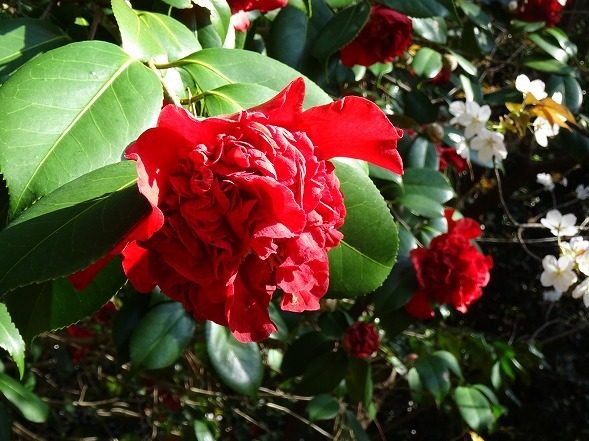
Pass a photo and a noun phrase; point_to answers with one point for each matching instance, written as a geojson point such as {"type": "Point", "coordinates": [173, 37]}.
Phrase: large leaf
{"type": "Point", "coordinates": [161, 336]}
{"type": "Point", "coordinates": [213, 26]}
{"type": "Point", "coordinates": [11, 340]}
{"type": "Point", "coordinates": [23, 38]}
{"type": "Point", "coordinates": [239, 365]}
{"type": "Point", "coordinates": [175, 38]}
{"type": "Point", "coordinates": [323, 407]}
{"type": "Point", "coordinates": [427, 62]}
{"type": "Point", "coordinates": [474, 407]}
{"type": "Point", "coordinates": [303, 351]}
{"type": "Point", "coordinates": [83, 116]}
{"type": "Point", "coordinates": [56, 304]}
{"type": "Point", "coordinates": [428, 183]}
{"type": "Point", "coordinates": [323, 373]}
{"type": "Point", "coordinates": [433, 372]}
{"type": "Point", "coordinates": [397, 290]}
{"type": "Point", "coordinates": [29, 404]}
{"type": "Point", "coordinates": [340, 30]}
{"type": "Point", "coordinates": [138, 38]}
{"type": "Point", "coordinates": [433, 29]}
{"type": "Point", "coordinates": [212, 68]}
{"type": "Point", "coordinates": [365, 256]}
{"type": "Point", "coordinates": [235, 97]}
{"type": "Point", "coordinates": [72, 227]}
{"type": "Point", "coordinates": [572, 94]}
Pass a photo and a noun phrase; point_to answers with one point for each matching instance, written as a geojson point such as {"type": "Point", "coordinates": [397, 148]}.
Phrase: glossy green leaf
{"type": "Point", "coordinates": [51, 305]}
{"type": "Point", "coordinates": [135, 306]}
{"type": "Point", "coordinates": [359, 381]}
{"type": "Point", "coordinates": [202, 432]}
{"type": "Point", "coordinates": [213, 68]}
{"type": "Point", "coordinates": [464, 63]}
{"type": "Point", "coordinates": [233, 98]}
{"type": "Point", "coordinates": [91, 215]}
{"type": "Point", "coordinates": [472, 88]}
{"type": "Point", "coordinates": [546, 64]}
{"type": "Point", "coordinates": [434, 375]}
{"type": "Point", "coordinates": [473, 407]}
{"type": "Point", "coordinates": [415, 385]}
{"type": "Point", "coordinates": [420, 9]}
{"type": "Point", "coordinates": [428, 183]}
{"type": "Point", "coordinates": [554, 51]}
{"type": "Point", "coordinates": [358, 432]}
{"type": "Point", "coordinates": [450, 361]}
{"type": "Point", "coordinates": [23, 38]}
{"type": "Point", "coordinates": [174, 37]}
{"type": "Point", "coordinates": [282, 333]}
{"type": "Point", "coordinates": [433, 29]}
{"type": "Point", "coordinates": [238, 364]}
{"type": "Point", "coordinates": [421, 205]}
{"type": "Point", "coordinates": [289, 39]}
{"type": "Point", "coordinates": [365, 256]}
{"type": "Point", "coordinates": [421, 153]}
{"type": "Point", "coordinates": [323, 407]}
{"type": "Point", "coordinates": [525, 26]}
{"type": "Point", "coordinates": [561, 39]}
{"type": "Point", "coordinates": [11, 340]}
{"type": "Point", "coordinates": [340, 30]}
{"type": "Point", "coordinates": [83, 117]}
{"type": "Point", "coordinates": [419, 107]}
{"type": "Point", "coordinates": [30, 405]}
{"type": "Point", "coordinates": [427, 62]}
{"type": "Point", "coordinates": [161, 336]}
{"type": "Point", "coordinates": [407, 242]}
{"type": "Point", "coordinates": [397, 290]}
{"type": "Point", "coordinates": [215, 25]}
{"type": "Point", "coordinates": [475, 14]}
{"type": "Point", "coordinates": [569, 87]}
{"type": "Point", "coordinates": [139, 40]}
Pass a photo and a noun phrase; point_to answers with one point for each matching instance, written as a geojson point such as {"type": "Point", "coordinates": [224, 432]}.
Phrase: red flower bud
{"type": "Point", "coordinates": [361, 340]}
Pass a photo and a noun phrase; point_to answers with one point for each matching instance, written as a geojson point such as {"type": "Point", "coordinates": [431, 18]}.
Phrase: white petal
{"type": "Point", "coordinates": [522, 83]}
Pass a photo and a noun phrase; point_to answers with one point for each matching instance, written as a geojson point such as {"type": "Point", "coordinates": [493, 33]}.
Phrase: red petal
{"type": "Point", "coordinates": [135, 264]}
{"type": "Point", "coordinates": [354, 127]}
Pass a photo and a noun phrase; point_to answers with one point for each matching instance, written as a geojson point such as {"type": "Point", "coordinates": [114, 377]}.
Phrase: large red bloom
{"type": "Point", "coordinates": [540, 10]}
{"type": "Point", "coordinates": [386, 35]}
{"type": "Point", "coordinates": [247, 203]}
{"type": "Point", "coordinates": [451, 271]}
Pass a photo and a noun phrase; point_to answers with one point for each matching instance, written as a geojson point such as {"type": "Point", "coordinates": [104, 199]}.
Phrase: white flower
{"type": "Point", "coordinates": [582, 290]}
{"type": "Point", "coordinates": [558, 273]}
{"type": "Point", "coordinates": [459, 143]}
{"type": "Point", "coordinates": [489, 144]}
{"type": "Point", "coordinates": [457, 108]}
{"type": "Point", "coordinates": [525, 86]}
{"type": "Point", "coordinates": [575, 247]}
{"type": "Point", "coordinates": [545, 179]}
{"type": "Point", "coordinates": [557, 97]}
{"type": "Point", "coordinates": [582, 262]}
{"type": "Point", "coordinates": [470, 115]}
{"type": "Point", "coordinates": [543, 130]}
{"type": "Point", "coordinates": [560, 225]}
{"type": "Point", "coordinates": [562, 2]}
{"type": "Point", "coordinates": [582, 192]}
{"type": "Point", "coordinates": [552, 295]}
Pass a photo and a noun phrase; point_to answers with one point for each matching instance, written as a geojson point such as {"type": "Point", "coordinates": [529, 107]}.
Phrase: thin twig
{"type": "Point", "coordinates": [300, 418]}
{"type": "Point", "coordinates": [95, 22]}
{"type": "Point", "coordinates": [251, 420]}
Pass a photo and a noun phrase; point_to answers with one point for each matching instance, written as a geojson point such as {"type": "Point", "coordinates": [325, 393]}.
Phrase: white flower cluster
{"type": "Point", "coordinates": [542, 127]}
{"type": "Point", "coordinates": [561, 273]}
{"type": "Point", "coordinates": [473, 118]}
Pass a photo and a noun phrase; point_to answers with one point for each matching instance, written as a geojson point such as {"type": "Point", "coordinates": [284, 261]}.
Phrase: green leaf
{"type": "Point", "coordinates": [282, 333]}
{"type": "Point", "coordinates": [5, 422]}
{"type": "Point", "coordinates": [415, 385]}
{"type": "Point", "coordinates": [174, 37]}
{"type": "Point", "coordinates": [135, 306]}
{"type": "Point", "coordinates": [475, 14]}
{"type": "Point", "coordinates": [212, 68]}
{"type": "Point", "coordinates": [545, 64]}
{"type": "Point", "coordinates": [421, 205]}
{"type": "Point", "coordinates": [202, 431]}
{"type": "Point", "coordinates": [323, 373]}
{"type": "Point", "coordinates": [472, 88]}
{"type": "Point", "coordinates": [91, 215]}
{"type": "Point", "coordinates": [359, 381]}
{"type": "Point", "coordinates": [421, 153]}
{"type": "Point", "coordinates": [11, 340]}
{"type": "Point", "coordinates": [233, 98]}
{"type": "Point", "coordinates": [429, 183]}
{"type": "Point", "coordinates": [473, 407]}
{"type": "Point", "coordinates": [23, 38]}
{"type": "Point", "coordinates": [322, 407]}
{"type": "Point", "coordinates": [427, 62]}
{"type": "Point", "coordinates": [468, 67]}
{"type": "Point", "coordinates": [84, 117]}
{"type": "Point", "coordinates": [554, 51]}
{"type": "Point", "coordinates": [365, 256]}
{"type": "Point", "coordinates": [29, 404]}
{"type": "Point", "coordinates": [477, 40]}
{"type": "Point", "coordinates": [419, 107]}
{"type": "Point", "coordinates": [397, 290]}
{"type": "Point", "coordinates": [560, 38]}
{"type": "Point", "coordinates": [450, 361]}
{"type": "Point", "coordinates": [215, 26]}
{"type": "Point", "coordinates": [238, 364]}
{"type": "Point", "coordinates": [139, 40]}
{"type": "Point", "coordinates": [340, 30]}
{"type": "Point", "coordinates": [290, 34]}
{"type": "Point", "coordinates": [524, 26]}
{"type": "Point", "coordinates": [356, 428]}
{"type": "Point", "coordinates": [572, 94]}
{"type": "Point", "coordinates": [434, 375]}
{"type": "Point", "coordinates": [420, 9]}
{"type": "Point", "coordinates": [161, 336]}
{"type": "Point", "coordinates": [303, 351]}
{"type": "Point", "coordinates": [432, 29]}
{"type": "Point", "coordinates": [36, 309]}
{"type": "Point", "coordinates": [180, 4]}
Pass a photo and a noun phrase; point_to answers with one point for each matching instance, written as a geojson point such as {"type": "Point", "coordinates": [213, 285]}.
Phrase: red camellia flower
{"type": "Point", "coordinates": [246, 203]}
{"type": "Point", "coordinates": [451, 271]}
{"type": "Point", "coordinates": [361, 340]}
{"type": "Point", "coordinates": [547, 11]}
{"type": "Point", "coordinates": [386, 35]}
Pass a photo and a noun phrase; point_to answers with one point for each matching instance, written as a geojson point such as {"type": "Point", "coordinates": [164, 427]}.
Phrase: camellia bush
{"type": "Point", "coordinates": [267, 219]}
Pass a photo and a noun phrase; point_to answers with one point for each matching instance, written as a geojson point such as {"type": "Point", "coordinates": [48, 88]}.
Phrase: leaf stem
{"type": "Point", "coordinates": [168, 93]}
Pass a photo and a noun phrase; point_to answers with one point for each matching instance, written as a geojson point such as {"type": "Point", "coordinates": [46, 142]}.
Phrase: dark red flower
{"type": "Point", "coordinates": [451, 271]}
{"type": "Point", "coordinates": [246, 203]}
{"type": "Point", "coordinates": [386, 35]}
{"type": "Point", "coordinates": [361, 340]}
{"type": "Point", "coordinates": [449, 155]}
{"type": "Point", "coordinates": [547, 11]}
